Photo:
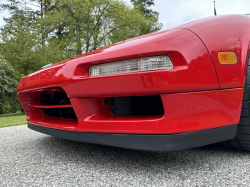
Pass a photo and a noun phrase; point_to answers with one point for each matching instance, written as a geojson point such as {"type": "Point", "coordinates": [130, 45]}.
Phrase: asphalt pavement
{"type": "Point", "coordinates": [29, 158]}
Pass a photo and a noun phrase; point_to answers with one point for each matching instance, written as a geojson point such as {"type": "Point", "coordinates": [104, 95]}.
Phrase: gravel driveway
{"type": "Point", "coordinates": [28, 158]}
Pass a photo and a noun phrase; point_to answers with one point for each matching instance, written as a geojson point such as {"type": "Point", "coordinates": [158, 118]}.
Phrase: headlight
{"type": "Point", "coordinates": [133, 65]}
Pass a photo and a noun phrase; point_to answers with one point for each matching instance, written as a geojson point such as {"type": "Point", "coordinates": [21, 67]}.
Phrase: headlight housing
{"type": "Point", "coordinates": [133, 65]}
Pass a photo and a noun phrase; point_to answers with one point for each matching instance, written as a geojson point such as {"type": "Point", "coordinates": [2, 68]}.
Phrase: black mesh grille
{"type": "Point", "coordinates": [136, 106]}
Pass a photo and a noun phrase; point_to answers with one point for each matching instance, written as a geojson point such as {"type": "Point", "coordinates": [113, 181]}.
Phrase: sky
{"type": "Point", "coordinates": [177, 12]}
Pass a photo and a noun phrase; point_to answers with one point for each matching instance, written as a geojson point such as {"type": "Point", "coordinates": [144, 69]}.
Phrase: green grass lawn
{"type": "Point", "coordinates": [12, 120]}
{"type": "Point", "coordinates": [13, 114]}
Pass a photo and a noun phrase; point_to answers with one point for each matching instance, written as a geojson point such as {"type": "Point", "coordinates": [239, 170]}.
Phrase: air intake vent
{"type": "Point", "coordinates": [66, 113]}
{"type": "Point", "coordinates": [55, 103]}
{"type": "Point", "coordinates": [136, 106]}
{"type": "Point", "coordinates": [54, 98]}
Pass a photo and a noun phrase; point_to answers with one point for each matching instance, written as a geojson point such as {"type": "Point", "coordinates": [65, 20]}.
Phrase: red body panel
{"type": "Point", "coordinates": [190, 91]}
{"type": "Point", "coordinates": [226, 33]}
{"type": "Point", "coordinates": [192, 70]}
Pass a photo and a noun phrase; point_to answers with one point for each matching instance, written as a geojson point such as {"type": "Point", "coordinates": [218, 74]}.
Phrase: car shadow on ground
{"type": "Point", "coordinates": [208, 158]}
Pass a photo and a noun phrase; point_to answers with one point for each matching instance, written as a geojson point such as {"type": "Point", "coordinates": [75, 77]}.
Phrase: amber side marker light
{"type": "Point", "coordinates": [227, 57]}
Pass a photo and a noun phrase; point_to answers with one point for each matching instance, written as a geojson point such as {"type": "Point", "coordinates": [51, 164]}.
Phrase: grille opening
{"type": "Point", "coordinates": [54, 98]}
{"type": "Point", "coordinates": [67, 113]}
{"type": "Point", "coordinates": [136, 106]}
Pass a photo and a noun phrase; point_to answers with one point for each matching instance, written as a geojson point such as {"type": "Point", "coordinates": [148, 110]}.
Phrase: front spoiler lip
{"type": "Point", "coordinates": [145, 142]}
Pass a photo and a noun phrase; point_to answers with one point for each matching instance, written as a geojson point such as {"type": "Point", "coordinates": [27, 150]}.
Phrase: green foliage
{"type": "Point", "coordinates": [18, 46]}
{"type": "Point", "coordinates": [23, 49]}
{"type": "Point", "coordinates": [144, 5]}
{"type": "Point", "coordinates": [6, 108]}
{"type": "Point", "coordinates": [8, 83]}
{"type": "Point", "coordinates": [8, 77]}
{"type": "Point", "coordinates": [85, 25]}
{"type": "Point", "coordinates": [151, 23]}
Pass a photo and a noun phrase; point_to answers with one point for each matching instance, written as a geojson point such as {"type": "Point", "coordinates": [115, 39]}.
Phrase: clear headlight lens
{"type": "Point", "coordinates": [133, 65]}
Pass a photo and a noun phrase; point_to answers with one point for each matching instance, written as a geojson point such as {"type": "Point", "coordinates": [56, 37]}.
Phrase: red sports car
{"type": "Point", "coordinates": [174, 89]}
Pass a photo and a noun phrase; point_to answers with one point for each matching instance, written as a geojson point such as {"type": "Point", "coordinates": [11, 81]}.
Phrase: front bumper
{"type": "Point", "coordinates": [146, 142]}
{"type": "Point", "coordinates": [183, 112]}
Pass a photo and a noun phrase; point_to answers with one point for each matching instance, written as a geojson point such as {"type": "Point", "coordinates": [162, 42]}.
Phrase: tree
{"type": "Point", "coordinates": [34, 9]}
{"type": "Point", "coordinates": [17, 8]}
{"type": "Point", "coordinates": [151, 23]}
{"type": "Point", "coordinates": [86, 25]}
{"type": "Point", "coordinates": [144, 5]}
{"type": "Point", "coordinates": [22, 47]}
{"type": "Point", "coordinates": [8, 82]}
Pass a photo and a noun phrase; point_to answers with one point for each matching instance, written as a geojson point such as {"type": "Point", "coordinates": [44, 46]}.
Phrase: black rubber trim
{"type": "Point", "coordinates": [146, 142]}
